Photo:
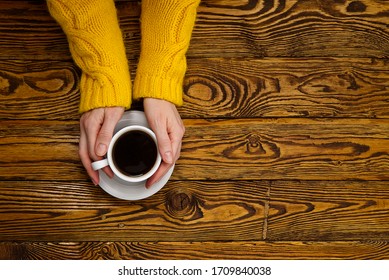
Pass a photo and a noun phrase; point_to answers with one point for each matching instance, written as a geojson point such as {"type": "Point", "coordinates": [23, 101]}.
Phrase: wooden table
{"type": "Point", "coordinates": [286, 152]}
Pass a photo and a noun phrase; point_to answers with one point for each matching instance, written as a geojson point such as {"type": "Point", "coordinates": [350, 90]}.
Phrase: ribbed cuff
{"type": "Point", "coordinates": [158, 87]}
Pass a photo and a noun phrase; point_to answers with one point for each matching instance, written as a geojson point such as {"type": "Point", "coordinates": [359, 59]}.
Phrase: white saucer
{"type": "Point", "coordinates": [131, 191]}
{"type": "Point", "coordinates": [125, 190]}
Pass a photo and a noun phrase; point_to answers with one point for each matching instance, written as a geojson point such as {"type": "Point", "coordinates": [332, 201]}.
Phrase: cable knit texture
{"type": "Point", "coordinates": [97, 47]}
{"type": "Point", "coordinates": [166, 28]}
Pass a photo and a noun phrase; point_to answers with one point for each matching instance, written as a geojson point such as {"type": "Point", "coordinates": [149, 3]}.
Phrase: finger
{"type": "Point", "coordinates": [176, 141]}
{"type": "Point", "coordinates": [104, 136]}
{"type": "Point", "coordinates": [112, 116]}
{"type": "Point", "coordinates": [91, 129]}
{"type": "Point", "coordinates": [157, 176]}
{"type": "Point", "coordinates": [176, 135]}
{"type": "Point", "coordinates": [164, 143]}
{"type": "Point", "coordinates": [85, 159]}
{"type": "Point", "coordinates": [164, 167]}
{"type": "Point", "coordinates": [103, 139]}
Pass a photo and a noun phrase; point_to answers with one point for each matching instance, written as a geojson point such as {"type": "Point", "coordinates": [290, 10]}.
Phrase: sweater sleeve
{"type": "Point", "coordinates": [166, 28]}
{"type": "Point", "coordinates": [97, 47]}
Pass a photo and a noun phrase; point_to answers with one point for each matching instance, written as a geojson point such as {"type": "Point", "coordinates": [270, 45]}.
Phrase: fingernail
{"type": "Point", "coordinates": [168, 157]}
{"type": "Point", "coordinates": [94, 182]}
{"type": "Point", "coordinates": [101, 150]}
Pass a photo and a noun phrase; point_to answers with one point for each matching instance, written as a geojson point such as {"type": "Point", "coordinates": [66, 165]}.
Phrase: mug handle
{"type": "Point", "coordinates": [96, 165]}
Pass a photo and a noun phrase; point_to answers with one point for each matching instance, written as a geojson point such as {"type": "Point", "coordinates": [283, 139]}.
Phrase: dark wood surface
{"type": "Point", "coordinates": [285, 156]}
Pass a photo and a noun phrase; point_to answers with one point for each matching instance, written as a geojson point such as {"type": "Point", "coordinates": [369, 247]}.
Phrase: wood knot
{"type": "Point", "coordinates": [356, 7]}
{"type": "Point", "coordinates": [253, 145]}
{"type": "Point", "coordinates": [182, 205]}
{"type": "Point", "coordinates": [108, 250]}
{"type": "Point", "coordinates": [180, 201]}
{"type": "Point", "coordinates": [201, 92]}
{"type": "Point", "coordinates": [9, 83]}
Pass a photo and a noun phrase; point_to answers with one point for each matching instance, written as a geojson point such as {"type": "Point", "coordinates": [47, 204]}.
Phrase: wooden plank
{"type": "Point", "coordinates": [282, 149]}
{"type": "Point", "coordinates": [40, 150]}
{"type": "Point", "coordinates": [215, 88]}
{"type": "Point", "coordinates": [315, 87]}
{"type": "Point", "coordinates": [297, 28]}
{"type": "Point", "coordinates": [242, 149]}
{"type": "Point", "coordinates": [255, 29]}
{"type": "Point", "coordinates": [195, 250]}
{"type": "Point", "coordinates": [39, 90]}
{"type": "Point", "coordinates": [319, 211]}
{"type": "Point", "coordinates": [29, 32]}
{"type": "Point", "coordinates": [181, 211]}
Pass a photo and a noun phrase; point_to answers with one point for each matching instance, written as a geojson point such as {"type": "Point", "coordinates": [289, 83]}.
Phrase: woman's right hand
{"type": "Point", "coordinates": [96, 131]}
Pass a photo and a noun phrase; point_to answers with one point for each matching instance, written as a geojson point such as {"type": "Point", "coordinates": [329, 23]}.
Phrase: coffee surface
{"type": "Point", "coordinates": [134, 153]}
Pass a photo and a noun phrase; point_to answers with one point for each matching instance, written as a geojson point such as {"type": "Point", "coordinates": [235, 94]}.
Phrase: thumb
{"type": "Point", "coordinates": [103, 139]}
{"type": "Point", "coordinates": [164, 144]}
{"type": "Point", "coordinates": [106, 131]}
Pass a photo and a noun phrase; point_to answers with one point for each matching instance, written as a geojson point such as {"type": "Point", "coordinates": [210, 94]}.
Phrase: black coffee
{"type": "Point", "coordinates": [134, 153]}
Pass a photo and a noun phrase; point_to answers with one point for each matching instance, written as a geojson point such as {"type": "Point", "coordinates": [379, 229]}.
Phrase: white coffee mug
{"type": "Point", "coordinates": [110, 161]}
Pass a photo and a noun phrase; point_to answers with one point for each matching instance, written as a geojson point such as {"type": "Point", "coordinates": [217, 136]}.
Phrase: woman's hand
{"type": "Point", "coordinates": [97, 128]}
{"type": "Point", "coordinates": [167, 125]}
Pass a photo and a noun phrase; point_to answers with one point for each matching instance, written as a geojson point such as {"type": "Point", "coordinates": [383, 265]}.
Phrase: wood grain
{"type": "Point", "coordinates": [195, 250]}
{"type": "Point", "coordinates": [292, 28]}
{"type": "Point", "coordinates": [282, 149]}
{"type": "Point", "coordinates": [198, 211]}
{"type": "Point", "coordinates": [314, 87]}
{"type": "Point", "coordinates": [181, 211]}
{"type": "Point", "coordinates": [38, 150]}
{"type": "Point", "coordinates": [285, 154]}
{"type": "Point", "coordinates": [218, 88]}
{"type": "Point", "coordinates": [328, 211]}
{"type": "Point", "coordinates": [242, 149]}
{"type": "Point", "coordinates": [39, 90]}
{"type": "Point", "coordinates": [254, 29]}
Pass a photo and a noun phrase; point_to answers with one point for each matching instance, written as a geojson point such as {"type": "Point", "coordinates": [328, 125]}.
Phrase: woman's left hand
{"type": "Point", "coordinates": [167, 125]}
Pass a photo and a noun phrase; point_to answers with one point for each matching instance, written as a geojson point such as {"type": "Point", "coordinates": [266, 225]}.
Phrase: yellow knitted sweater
{"type": "Point", "coordinates": [97, 47]}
